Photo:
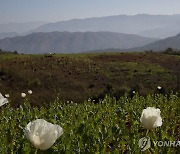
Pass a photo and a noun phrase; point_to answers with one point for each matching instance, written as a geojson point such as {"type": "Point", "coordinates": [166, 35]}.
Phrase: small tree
{"type": "Point", "coordinates": [15, 52]}
{"type": "Point", "coordinates": [169, 50]}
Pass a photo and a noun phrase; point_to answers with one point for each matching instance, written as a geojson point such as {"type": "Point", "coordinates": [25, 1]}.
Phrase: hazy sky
{"type": "Point", "coordinates": [58, 10]}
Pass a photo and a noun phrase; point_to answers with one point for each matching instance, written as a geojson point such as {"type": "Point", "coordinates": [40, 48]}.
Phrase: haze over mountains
{"type": "Point", "coordinates": [66, 42]}
{"type": "Point", "coordinates": [20, 27]}
{"type": "Point", "coordinates": [8, 34]}
{"type": "Point", "coordinates": [158, 26]}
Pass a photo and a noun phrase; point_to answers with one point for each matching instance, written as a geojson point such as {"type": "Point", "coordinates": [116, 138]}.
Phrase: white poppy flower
{"type": "Point", "coordinates": [42, 134]}
{"type": "Point", "coordinates": [6, 95]}
{"type": "Point", "coordinates": [23, 95]}
{"type": "Point", "coordinates": [159, 87]}
{"type": "Point", "coordinates": [150, 118]}
{"type": "Point", "coordinates": [3, 100]}
{"type": "Point", "coordinates": [30, 92]}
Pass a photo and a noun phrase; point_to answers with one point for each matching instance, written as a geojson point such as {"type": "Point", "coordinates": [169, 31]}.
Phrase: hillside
{"type": "Point", "coordinates": [158, 26]}
{"type": "Point", "coordinates": [160, 45]}
{"type": "Point", "coordinates": [66, 42]}
{"type": "Point", "coordinates": [78, 77]}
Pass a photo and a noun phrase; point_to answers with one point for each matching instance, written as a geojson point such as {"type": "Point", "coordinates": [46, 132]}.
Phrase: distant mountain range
{"type": "Point", "coordinates": [157, 26]}
{"type": "Point", "coordinates": [122, 32]}
{"type": "Point", "coordinates": [66, 42]}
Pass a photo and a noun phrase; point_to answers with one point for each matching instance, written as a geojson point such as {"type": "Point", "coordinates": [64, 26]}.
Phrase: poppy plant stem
{"type": "Point", "coordinates": [36, 151]}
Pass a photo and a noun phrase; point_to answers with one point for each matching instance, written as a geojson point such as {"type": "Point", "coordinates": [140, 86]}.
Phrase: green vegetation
{"type": "Point", "coordinates": [170, 51]}
{"type": "Point", "coordinates": [78, 77]}
{"type": "Point", "coordinates": [7, 52]}
{"type": "Point", "coordinates": [109, 126]}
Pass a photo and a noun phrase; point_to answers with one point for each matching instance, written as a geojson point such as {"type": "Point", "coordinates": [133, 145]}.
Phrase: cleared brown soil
{"type": "Point", "coordinates": [78, 77]}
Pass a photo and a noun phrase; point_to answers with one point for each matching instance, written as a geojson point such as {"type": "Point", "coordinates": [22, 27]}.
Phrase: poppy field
{"type": "Point", "coordinates": [109, 126]}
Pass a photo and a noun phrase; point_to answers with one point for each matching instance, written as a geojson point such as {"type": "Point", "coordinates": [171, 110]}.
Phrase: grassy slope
{"type": "Point", "coordinates": [80, 76]}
